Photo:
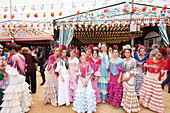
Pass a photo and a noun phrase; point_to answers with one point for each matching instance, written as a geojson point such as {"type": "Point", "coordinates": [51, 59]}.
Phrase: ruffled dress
{"type": "Point", "coordinates": [103, 81]}
{"type": "Point", "coordinates": [17, 97]}
{"type": "Point", "coordinates": [115, 90]}
{"type": "Point", "coordinates": [63, 87]}
{"type": "Point", "coordinates": [130, 101]}
{"type": "Point", "coordinates": [51, 84]}
{"type": "Point", "coordinates": [151, 92]}
{"type": "Point", "coordinates": [73, 64]}
{"type": "Point", "coordinates": [96, 66]}
{"type": "Point", "coordinates": [85, 100]}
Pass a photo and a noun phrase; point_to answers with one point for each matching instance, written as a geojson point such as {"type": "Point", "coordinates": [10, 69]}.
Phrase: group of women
{"type": "Point", "coordinates": [96, 78]}
{"type": "Point", "coordinates": [87, 81]}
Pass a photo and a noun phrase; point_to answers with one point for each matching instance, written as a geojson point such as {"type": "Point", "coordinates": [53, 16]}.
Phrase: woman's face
{"type": "Point", "coordinates": [142, 51]}
{"type": "Point", "coordinates": [127, 53]}
{"type": "Point", "coordinates": [88, 52]}
{"type": "Point", "coordinates": [110, 49]}
{"type": "Point", "coordinates": [158, 56]}
{"type": "Point", "coordinates": [1, 51]}
{"type": "Point", "coordinates": [83, 59]}
{"type": "Point", "coordinates": [64, 52]}
{"type": "Point", "coordinates": [115, 53]}
{"type": "Point", "coordinates": [103, 48]}
{"type": "Point", "coordinates": [95, 54]}
{"type": "Point", "coordinates": [72, 53]}
{"type": "Point", "coordinates": [57, 52]}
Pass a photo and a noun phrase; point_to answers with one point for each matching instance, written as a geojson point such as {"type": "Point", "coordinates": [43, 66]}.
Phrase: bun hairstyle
{"type": "Point", "coordinates": [141, 47]}
{"type": "Point", "coordinates": [15, 47]}
{"type": "Point", "coordinates": [64, 47]}
{"type": "Point", "coordinates": [163, 51]}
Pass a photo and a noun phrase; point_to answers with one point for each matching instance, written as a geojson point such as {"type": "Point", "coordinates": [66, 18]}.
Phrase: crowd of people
{"type": "Point", "coordinates": [84, 77]}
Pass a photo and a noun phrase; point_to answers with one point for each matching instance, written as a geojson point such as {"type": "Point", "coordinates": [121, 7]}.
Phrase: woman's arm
{"type": "Point", "coordinates": [61, 76]}
{"type": "Point", "coordinates": [82, 80]}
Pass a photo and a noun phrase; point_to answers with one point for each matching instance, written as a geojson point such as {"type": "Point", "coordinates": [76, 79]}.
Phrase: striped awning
{"type": "Point", "coordinates": [163, 34]}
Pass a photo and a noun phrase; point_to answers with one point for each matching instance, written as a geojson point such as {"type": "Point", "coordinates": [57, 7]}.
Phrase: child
{"type": "Point", "coordinates": [84, 100]}
{"type": "Point", "coordinates": [63, 79]}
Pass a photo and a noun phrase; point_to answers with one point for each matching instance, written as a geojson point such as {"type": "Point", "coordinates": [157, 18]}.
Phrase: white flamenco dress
{"type": "Point", "coordinates": [17, 97]}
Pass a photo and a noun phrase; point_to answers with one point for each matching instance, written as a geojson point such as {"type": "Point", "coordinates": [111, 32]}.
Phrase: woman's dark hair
{"type": "Point", "coordinates": [40, 49]}
{"type": "Point", "coordinates": [117, 50]}
{"type": "Point", "coordinates": [96, 52]}
{"type": "Point", "coordinates": [129, 50]}
{"type": "Point", "coordinates": [15, 47]}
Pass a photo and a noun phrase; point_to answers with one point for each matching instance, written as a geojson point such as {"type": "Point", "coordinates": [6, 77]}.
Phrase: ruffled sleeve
{"type": "Point", "coordinates": [11, 71]}
{"type": "Point", "coordinates": [98, 73]}
{"type": "Point", "coordinates": [163, 70]}
{"type": "Point", "coordinates": [59, 66]}
{"type": "Point", "coordinates": [90, 70]}
{"type": "Point", "coordinates": [79, 72]}
{"type": "Point", "coordinates": [121, 67]}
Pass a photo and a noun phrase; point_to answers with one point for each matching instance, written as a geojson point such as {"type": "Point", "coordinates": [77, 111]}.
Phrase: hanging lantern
{"type": "Point", "coordinates": [134, 10]}
{"type": "Point", "coordinates": [105, 21]}
{"type": "Point", "coordinates": [23, 29]}
{"type": "Point", "coordinates": [52, 14]}
{"type": "Point", "coordinates": [115, 25]}
{"type": "Point", "coordinates": [60, 13]}
{"type": "Point", "coordinates": [38, 29]}
{"type": "Point", "coordinates": [105, 10]}
{"type": "Point", "coordinates": [12, 16]}
{"type": "Point", "coordinates": [143, 9]}
{"type": "Point", "coordinates": [38, 25]}
{"type": "Point", "coordinates": [134, 23]}
{"type": "Point", "coordinates": [140, 23]}
{"type": "Point", "coordinates": [44, 25]}
{"type": "Point", "coordinates": [20, 25]}
{"type": "Point", "coordinates": [71, 24]}
{"type": "Point", "coordinates": [120, 21]}
{"type": "Point", "coordinates": [33, 29]}
{"type": "Point", "coordinates": [63, 24]}
{"type": "Point", "coordinates": [26, 25]}
{"type": "Point", "coordinates": [19, 29]}
{"type": "Point", "coordinates": [121, 25]}
{"type": "Point", "coordinates": [28, 15]}
{"type": "Point", "coordinates": [31, 25]}
{"type": "Point", "coordinates": [77, 23]}
{"type": "Point", "coordinates": [87, 12]}
{"type": "Point", "coordinates": [166, 19]}
{"type": "Point", "coordinates": [127, 20]}
{"type": "Point", "coordinates": [78, 12]}
{"type": "Point", "coordinates": [14, 26]}
{"type": "Point", "coordinates": [91, 22]}
{"type": "Point", "coordinates": [124, 10]}
{"type": "Point", "coordinates": [164, 8]}
{"type": "Point", "coordinates": [154, 8]}
{"type": "Point", "coordinates": [44, 15]}
{"type": "Point", "coordinates": [9, 29]}
{"type": "Point", "coordinates": [150, 19]}
{"type": "Point", "coordinates": [110, 25]}
{"type": "Point", "coordinates": [36, 15]}
{"type": "Point", "coordinates": [63, 27]}
{"type": "Point", "coordinates": [152, 24]}
{"type": "Point", "coordinates": [3, 26]}
{"type": "Point", "coordinates": [142, 19]}
{"type": "Point", "coordinates": [8, 26]}
{"type": "Point", "coordinates": [43, 28]}
{"type": "Point", "coordinates": [50, 24]}
{"type": "Point", "coordinates": [112, 21]}
{"type": "Point", "coordinates": [69, 27]}
{"type": "Point", "coordinates": [135, 20]}
{"type": "Point", "coordinates": [158, 19]}
{"type": "Point", "coordinates": [84, 23]}
{"type": "Point", "coordinates": [5, 16]}
{"type": "Point", "coordinates": [48, 28]}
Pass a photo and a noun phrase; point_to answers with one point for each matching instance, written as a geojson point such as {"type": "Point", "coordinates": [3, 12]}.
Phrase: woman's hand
{"type": "Point", "coordinates": [84, 84]}
{"type": "Point", "coordinates": [118, 81]}
{"type": "Point", "coordinates": [109, 79]}
{"type": "Point", "coordinates": [63, 79]}
{"type": "Point", "coordinates": [58, 59]}
{"type": "Point", "coordinates": [96, 78]}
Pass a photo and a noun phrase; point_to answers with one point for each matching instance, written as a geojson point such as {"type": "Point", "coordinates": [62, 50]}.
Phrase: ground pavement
{"type": "Point", "coordinates": [40, 107]}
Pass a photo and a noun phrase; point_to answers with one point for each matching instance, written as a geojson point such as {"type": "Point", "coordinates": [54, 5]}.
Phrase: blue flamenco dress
{"type": "Point", "coordinates": [85, 100]}
{"type": "Point", "coordinates": [103, 81]}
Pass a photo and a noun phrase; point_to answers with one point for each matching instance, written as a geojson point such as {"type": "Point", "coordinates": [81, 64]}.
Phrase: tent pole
{"type": "Point", "coordinates": [12, 35]}
{"type": "Point", "coordinates": [132, 33]}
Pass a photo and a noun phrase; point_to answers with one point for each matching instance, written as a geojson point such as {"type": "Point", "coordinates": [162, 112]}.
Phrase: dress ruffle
{"type": "Point", "coordinates": [129, 100]}
{"type": "Point", "coordinates": [115, 91]}
{"type": "Point", "coordinates": [51, 89]}
{"type": "Point", "coordinates": [97, 91]}
{"type": "Point", "coordinates": [85, 101]}
{"type": "Point", "coordinates": [72, 86]}
{"type": "Point", "coordinates": [17, 99]}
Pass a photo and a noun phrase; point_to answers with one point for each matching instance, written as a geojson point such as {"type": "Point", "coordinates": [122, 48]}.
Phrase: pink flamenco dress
{"type": "Point", "coordinates": [17, 97]}
{"type": "Point", "coordinates": [96, 66]}
{"type": "Point", "coordinates": [115, 89]}
{"type": "Point", "coordinates": [51, 84]}
{"type": "Point", "coordinates": [73, 65]}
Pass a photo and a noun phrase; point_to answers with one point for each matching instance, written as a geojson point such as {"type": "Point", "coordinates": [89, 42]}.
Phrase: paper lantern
{"type": "Point", "coordinates": [44, 15]}
{"type": "Point", "coordinates": [60, 13]}
{"type": "Point", "coordinates": [158, 19]}
{"type": "Point", "coordinates": [150, 19]}
{"type": "Point", "coordinates": [152, 24]}
{"type": "Point", "coordinates": [115, 25]}
{"type": "Point", "coordinates": [154, 8]}
{"type": "Point", "coordinates": [26, 25]}
{"type": "Point", "coordinates": [9, 29]}
{"type": "Point", "coordinates": [3, 26]}
{"type": "Point", "coordinates": [12, 16]}
{"type": "Point", "coordinates": [143, 9]}
{"type": "Point", "coordinates": [43, 28]}
{"type": "Point", "coordinates": [20, 25]}
{"type": "Point", "coordinates": [71, 24]}
{"type": "Point", "coordinates": [127, 20]}
{"type": "Point", "coordinates": [135, 20]}
{"type": "Point", "coordinates": [63, 27]}
{"type": "Point", "coordinates": [38, 29]}
{"type": "Point", "coordinates": [121, 25]}
{"type": "Point", "coordinates": [91, 22]}
{"type": "Point", "coordinates": [23, 29]}
{"type": "Point", "coordinates": [52, 14]}
{"type": "Point", "coordinates": [8, 26]}
{"type": "Point", "coordinates": [77, 23]}
{"type": "Point", "coordinates": [28, 15]}
{"type": "Point", "coordinates": [44, 25]}
{"type": "Point", "coordinates": [120, 21]}
{"type": "Point", "coordinates": [105, 10]}
{"type": "Point", "coordinates": [63, 24]}
{"type": "Point", "coordinates": [112, 21]}
{"type": "Point", "coordinates": [110, 25]}
{"type": "Point", "coordinates": [38, 25]}
{"type": "Point", "coordinates": [31, 25]}
{"type": "Point", "coordinates": [5, 16]}
{"type": "Point", "coordinates": [140, 23]}
{"type": "Point", "coordinates": [36, 15]}
{"type": "Point", "coordinates": [78, 12]}
{"type": "Point", "coordinates": [124, 10]}
{"type": "Point", "coordinates": [69, 27]}
{"type": "Point", "coordinates": [134, 10]}
{"type": "Point", "coordinates": [164, 8]}
{"type": "Point", "coordinates": [87, 12]}
{"type": "Point", "coordinates": [105, 21]}
{"type": "Point", "coordinates": [142, 19]}
{"type": "Point", "coordinates": [48, 28]}
{"type": "Point", "coordinates": [166, 19]}
{"type": "Point", "coordinates": [14, 25]}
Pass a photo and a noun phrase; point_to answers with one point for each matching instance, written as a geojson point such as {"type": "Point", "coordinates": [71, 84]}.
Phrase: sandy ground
{"type": "Point", "coordinates": [40, 107]}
